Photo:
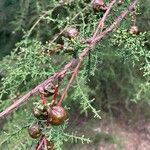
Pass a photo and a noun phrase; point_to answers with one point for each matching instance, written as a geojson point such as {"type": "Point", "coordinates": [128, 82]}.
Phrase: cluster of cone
{"type": "Point", "coordinates": [50, 115]}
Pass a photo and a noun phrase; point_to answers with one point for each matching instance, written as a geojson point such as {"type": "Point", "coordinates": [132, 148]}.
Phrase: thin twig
{"type": "Point", "coordinates": [40, 18]}
{"type": "Point", "coordinates": [37, 22]}
{"type": "Point", "coordinates": [102, 21]}
{"type": "Point", "coordinates": [46, 13]}
{"type": "Point", "coordinates": [69, 83]}
{"type": "Point", "coordinates": [56, 37]}
{"type": "Point", "coordinates": [42, 142]}
{"type": "Point", "coordinates": [12, 134]}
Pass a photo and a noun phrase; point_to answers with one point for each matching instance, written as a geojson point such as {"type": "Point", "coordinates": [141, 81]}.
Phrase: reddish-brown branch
{"type": "Point", "coordinates": [69, 83]}
{"type": "Point", "coordinates": [86, 50]}
{"type": "Point", "coordinates": [42, 95]}
{"type": "Point", "coordinates": [41, 144]}
{"type": "Point", "coordinates": [44, 101]}
{"type": "Point", "coordinates": [24, 98]}
{"type": "Point", "coordinates": [62, 73]}
{"type": "Point", "coordinates": [102, 21]}
{"type": "Point", "coordinates": [116, 22]}
{"type": "Point", "coordinates": [55, 96]}
{"type": "Point", "coordinates": [54, 101]}
{"type": "Point", "coordinates": [93, 42]}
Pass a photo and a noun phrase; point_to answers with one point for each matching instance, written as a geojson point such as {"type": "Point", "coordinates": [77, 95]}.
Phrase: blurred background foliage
{"type": "Point", "coordinates": [117, 80]}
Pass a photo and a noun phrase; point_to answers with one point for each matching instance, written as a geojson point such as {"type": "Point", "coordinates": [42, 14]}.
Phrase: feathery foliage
{"type": "Point", "coordinates": [121, 59]}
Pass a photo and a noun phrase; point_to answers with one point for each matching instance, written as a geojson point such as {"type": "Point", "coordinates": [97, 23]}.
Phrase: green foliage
{"type": "Point", "coordinates": [130, 47]}
{"type": "Point", "coordinates": [27, 66]}
{"type": "Point", "coordinates": [58, 135]}
{"type": "Point", "coordinates": [119, 64]}
{"type": "Point", "coordinates": [14, 133]}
